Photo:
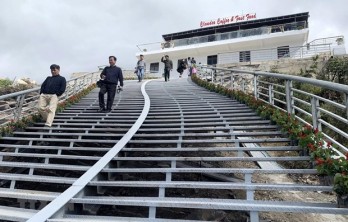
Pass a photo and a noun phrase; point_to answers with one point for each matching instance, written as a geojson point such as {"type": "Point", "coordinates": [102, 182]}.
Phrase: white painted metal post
{"type": "Point", "coordinates": [256, 93]}
{"type": "Point", "coordinates": [346, 103]}
{"type": "Point", "coordinates": [270, 94]}
{"type": "Point", "coordinates": [243, 84]}
{"type": "Point", "coordinates": [212, 76]}
{"type": "Point", "coordinates": [315, 113]}
{"type": "Point", "coordinates": [289, 96]}
{"type": "Point", "coordinates": [232, 80]}
{"type": "Point", "coordinates": [19, 106]}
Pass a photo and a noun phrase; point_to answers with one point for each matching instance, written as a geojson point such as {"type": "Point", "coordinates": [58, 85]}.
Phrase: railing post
{"type": "Point", "coordinates": [243, 84]}
{"type": "Point", "coordinates": [301, 52]}
{"type": "Point", "coordinates": [289, 97]}
{"type": "Point", "coordinates": [254, 215]}
{"type": "Point", "coordinates": [270, 94]}
{"type": "Point", "coordinates": [232, 80]}
{"type": "Point", "coordinates": [256, 94]}
{"type": "Point", "coordinates": [19, 106]}
{"type": "Point", "coordinates": [315, 113]}
{"type": "Point", "coordinates": [74, 87]}
{"type": "Point", "coordinates": [212, 76]}
{"type": "Point", "coordinates": [222, 78]}
{"type": "Point", "coordinates": [346, 103]}
{"type": "Point", "coordinates": [85, 82]}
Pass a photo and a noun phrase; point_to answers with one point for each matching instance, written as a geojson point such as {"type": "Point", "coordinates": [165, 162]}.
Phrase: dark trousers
{"type": "Point", "coordinates": [110, 89]}
{"type": "Point", "coordinates": [166, 74]}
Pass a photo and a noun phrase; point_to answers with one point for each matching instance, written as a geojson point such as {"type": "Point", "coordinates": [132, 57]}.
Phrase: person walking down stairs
{"type": "Point", "coordinates": [53, 87]}
{"type": "Point", "coordinates": [141, 67]}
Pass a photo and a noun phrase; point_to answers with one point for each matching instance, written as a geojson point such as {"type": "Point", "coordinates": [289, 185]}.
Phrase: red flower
{"type": "Point", "coordinates": [328, 144]}
{"type": "Point", "coordinates": [319, 161]}
{"type": "Point", "coordinates": [316, 131]}
{"type": "Point", "coordinates": [311, 147]}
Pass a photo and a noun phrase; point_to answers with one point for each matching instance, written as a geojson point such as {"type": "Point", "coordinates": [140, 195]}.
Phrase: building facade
{"type": "Point", "coordinates": [240, 41]}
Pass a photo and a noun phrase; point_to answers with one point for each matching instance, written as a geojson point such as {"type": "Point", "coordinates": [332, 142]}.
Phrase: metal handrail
{"type": "Point", "coordinates": [23, 103]}
{"type": "Point", "coordinates": [59, 202]}
{"type": "Point", "coordinates": [283, 97]}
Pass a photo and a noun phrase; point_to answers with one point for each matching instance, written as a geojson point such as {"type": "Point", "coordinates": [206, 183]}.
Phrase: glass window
{"type": "Point", "coordinates": [244, 56]}
{"type": "Point", "coordinates": [154, 67]}
{"type": "Point", "coordinates": [211, 38]}
{"type": "Point", "coordinates": [212, 60]}
{"type": "Point", "coordinates": [224, 36]}
{"type": "Point", "coordinates": [283, 52]}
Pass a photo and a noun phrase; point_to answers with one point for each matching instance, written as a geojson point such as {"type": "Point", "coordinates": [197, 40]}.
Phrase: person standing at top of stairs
{"type": "Point", "coordinates": [168, 66]}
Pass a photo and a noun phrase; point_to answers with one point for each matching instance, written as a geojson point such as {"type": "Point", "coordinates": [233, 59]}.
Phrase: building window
{"type": "Point", "coordinates": [211, 38]}
{"type": "Point", "coordinates": [212, 60]}
{"type": "Point", "coordinates": [244, 56]}
{"type": "Point", "coordinates": [154, 67]}
{"type": "Point", "coordinates": [283, 52]}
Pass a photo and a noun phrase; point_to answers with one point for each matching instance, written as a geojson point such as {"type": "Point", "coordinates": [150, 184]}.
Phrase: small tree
{"type": "Point", "coordinates": [335, 70]}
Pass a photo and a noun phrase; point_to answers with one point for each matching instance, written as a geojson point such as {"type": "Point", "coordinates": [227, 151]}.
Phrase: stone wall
{"type": "Point", "coordinates": [284, 65]}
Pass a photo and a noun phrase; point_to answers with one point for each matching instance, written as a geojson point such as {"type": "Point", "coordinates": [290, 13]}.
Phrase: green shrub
{"type": "Point", "coordinates": [5, 83]}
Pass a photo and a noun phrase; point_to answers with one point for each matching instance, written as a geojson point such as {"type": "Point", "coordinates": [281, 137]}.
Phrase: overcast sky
{"type": "Point", "coordinates": [79, 35]}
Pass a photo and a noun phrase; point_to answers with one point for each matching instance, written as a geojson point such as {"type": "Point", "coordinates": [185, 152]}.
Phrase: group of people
{"type": "Point", "coordinates": [55, 85]}
{"type": "Point", "coordinates": [184, 64]}
{"type": "Point", "coordinates": [188, 64]}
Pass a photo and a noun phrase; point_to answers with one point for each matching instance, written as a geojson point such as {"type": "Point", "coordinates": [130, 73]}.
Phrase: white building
{"type": "Point", "coordinates": [241, 39]}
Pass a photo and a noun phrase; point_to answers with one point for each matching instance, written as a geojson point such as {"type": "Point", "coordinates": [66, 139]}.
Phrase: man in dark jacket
{"type": "Point", "coordinates": [168, 66]}
{"type": "Point", "coordinates": [53, 87]}
{"type": "Point", "coordinates": [110, 76]}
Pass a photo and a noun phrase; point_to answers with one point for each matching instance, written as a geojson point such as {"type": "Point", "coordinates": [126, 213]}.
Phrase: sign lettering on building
{"type": "Point", "coordinates": [228, 20]}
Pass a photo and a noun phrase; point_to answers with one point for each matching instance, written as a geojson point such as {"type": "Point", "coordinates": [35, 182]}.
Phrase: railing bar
{"type": "Point", "coordinates": [301, 101]}
{"type": "Point", "coordinates": [302, 111]}
{"type": "Point", "coordinates": [334, 115]}
{"type": "Point", "coordinates": [280, 101]}
{"type": "Point", "coordinates": [345, 149]}
{"type": "Point", "coordinates": [333, 128]}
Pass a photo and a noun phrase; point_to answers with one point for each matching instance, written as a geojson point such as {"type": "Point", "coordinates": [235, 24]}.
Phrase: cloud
{"type": "Point", "coordinates": [79, 35]}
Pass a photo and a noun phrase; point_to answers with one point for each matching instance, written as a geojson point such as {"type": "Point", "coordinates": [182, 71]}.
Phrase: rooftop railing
{"type": "Point", "coordinates": [224, 36]}
{"type": "Point", "coordinates": [294, 52]}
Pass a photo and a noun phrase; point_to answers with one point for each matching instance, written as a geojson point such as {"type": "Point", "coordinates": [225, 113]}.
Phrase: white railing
{"type": "Point", "coordinates": [288, 93]}
{"type": "Point", "coordinates": [223, 36]}
{"type": "Point", "coordinates": [20, 104]}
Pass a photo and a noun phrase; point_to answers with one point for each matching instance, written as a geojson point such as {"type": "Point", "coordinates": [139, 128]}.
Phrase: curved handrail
{"type": "Point", "coordinates": [79, 184]}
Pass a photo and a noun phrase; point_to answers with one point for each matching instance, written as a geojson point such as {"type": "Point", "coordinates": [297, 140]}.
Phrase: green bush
{"type": "Point", "coordinates": [5, 83]}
